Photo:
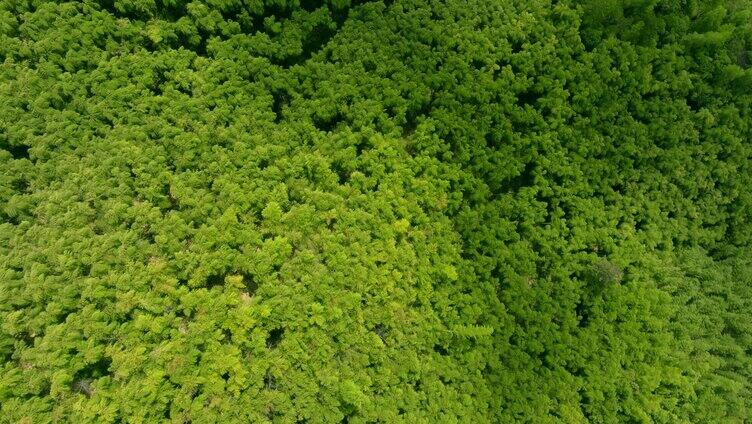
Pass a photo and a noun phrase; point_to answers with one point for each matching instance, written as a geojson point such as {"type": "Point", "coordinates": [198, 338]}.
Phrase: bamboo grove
{"type": "Point", "coordinates": [408, 211]}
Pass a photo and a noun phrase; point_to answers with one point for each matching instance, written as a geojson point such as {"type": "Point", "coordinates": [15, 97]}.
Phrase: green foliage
{"type": "Point", "coordinates": [375, 211]}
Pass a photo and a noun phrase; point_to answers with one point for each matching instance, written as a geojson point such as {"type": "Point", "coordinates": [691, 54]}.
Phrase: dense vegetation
{"type": "Point", "coordinates": [376, 211]}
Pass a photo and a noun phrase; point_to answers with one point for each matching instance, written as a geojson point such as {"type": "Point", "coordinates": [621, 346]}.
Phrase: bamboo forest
{"type": "Point", "coordinates": [393, 211]}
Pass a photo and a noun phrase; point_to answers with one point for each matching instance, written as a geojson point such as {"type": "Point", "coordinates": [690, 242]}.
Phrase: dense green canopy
{"type": "Point", "coordinates": [414, 211]}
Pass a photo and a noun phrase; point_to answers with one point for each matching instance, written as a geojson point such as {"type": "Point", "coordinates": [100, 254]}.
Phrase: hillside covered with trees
{"type": "Point", "coordinates": [395, 211]}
